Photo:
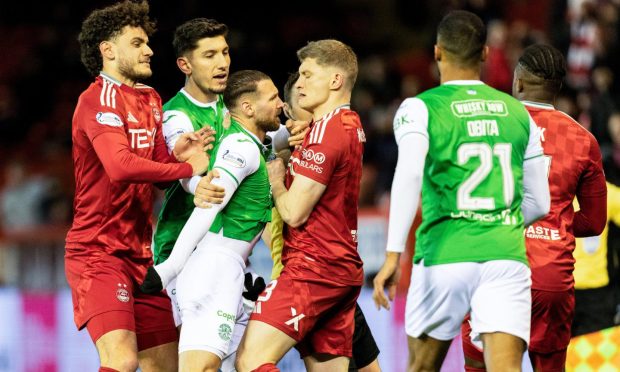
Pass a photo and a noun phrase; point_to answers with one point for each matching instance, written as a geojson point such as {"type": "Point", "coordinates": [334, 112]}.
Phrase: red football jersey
{"type": "Point", "coordinates": [331, 154]}
{"type": "Point", "coordinates": [118, 151]}
{"type": "Point", "coordinates": [575, 169]}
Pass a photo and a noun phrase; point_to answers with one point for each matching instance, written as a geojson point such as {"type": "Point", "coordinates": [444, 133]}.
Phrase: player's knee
{"type": "Point", "coordinates": [123, 364]}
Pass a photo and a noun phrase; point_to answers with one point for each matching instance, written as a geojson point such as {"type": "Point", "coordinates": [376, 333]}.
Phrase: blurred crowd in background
{"type": "Point", "coordinates": [41, 77]}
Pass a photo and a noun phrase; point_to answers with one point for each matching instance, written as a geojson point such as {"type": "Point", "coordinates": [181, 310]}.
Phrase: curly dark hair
{"type": "Point", "coordinates": [188, 34]}
{"type": "Point", "coordinates": [105, 24]}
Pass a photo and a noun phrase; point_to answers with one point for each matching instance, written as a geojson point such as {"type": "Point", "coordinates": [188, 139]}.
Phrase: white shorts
{"type": "Point", "coordinates": [171, 290]}
{"type": "Point", "coordinates": [497, 293]}
{"type": "Point", "coordinates": [209, 297]}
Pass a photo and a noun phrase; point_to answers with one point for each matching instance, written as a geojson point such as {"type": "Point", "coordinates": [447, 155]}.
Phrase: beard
{"type": "Point", "coordinates": [134, 72]}
{"type": "Point", "coordinates": [268, 124]}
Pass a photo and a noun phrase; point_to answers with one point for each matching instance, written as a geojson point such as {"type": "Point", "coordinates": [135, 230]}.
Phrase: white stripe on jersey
{"type": "Point", "coordinates": [113, 97]}
{"type": "Point", "coordinates": [101, 99]}
{"type": "Point", "coordinates": [315, 132]}
{"type": "Point", "coordinates": [323, 129]}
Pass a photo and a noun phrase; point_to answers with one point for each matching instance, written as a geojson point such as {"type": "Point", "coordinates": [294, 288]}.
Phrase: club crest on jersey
{"type": "Point", "coordinates": [122, 294]}
{"type": "Point", "coordinates": [156, 114]}
{"type": "Point", "coordinates": [225, 332]}
{"type": "Point", "coordinates": [236, 160]}
{"type": "Point", "coordinates": [109, 118]}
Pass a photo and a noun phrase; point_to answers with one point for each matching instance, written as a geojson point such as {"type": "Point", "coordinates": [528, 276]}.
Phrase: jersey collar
{"type": "Point", "coordinates": [212, 104]}
{"type": "Point", "coordinates": [264, 150]}
{"type": "Point", "coordinates": [463, 82]}
{"type": "Point", "coordinates": [544, 106]}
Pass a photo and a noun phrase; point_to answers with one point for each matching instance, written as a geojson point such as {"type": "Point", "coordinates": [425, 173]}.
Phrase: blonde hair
{"type": "Point", "coordinates": [330, 52]}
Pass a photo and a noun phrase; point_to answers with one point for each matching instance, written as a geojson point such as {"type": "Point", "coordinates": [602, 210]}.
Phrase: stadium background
{"type": "Point", "coordinates": [41, 78]}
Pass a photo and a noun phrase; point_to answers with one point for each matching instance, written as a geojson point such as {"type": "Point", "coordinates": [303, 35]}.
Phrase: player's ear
{"type": "Point", "coordinates": [484, 54]}
{"type": "Point", "coordinates": [184, 65]}
{"type": "Point", "coordinates": [337, 81]}
{"type": "Point", "coordinates": [247, 108]}
{"type": "Point", "coordinates": [437, 53]}
{"type": "Point", "coordinates": [107, 50]}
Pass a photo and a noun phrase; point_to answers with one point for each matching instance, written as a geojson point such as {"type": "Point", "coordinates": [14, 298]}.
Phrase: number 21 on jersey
{"type": "Point", "coordinates": [485, 153]}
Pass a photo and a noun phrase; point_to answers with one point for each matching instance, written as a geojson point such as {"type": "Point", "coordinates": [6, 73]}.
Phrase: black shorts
{"type": "Point", "coordinates": [365, 349]}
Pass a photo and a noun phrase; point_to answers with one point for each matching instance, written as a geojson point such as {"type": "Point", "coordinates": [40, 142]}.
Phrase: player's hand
{"type": "Point", "coordinates": [199, 162]}
{"type": "Point", "coordinates": [189, 144]}
{"type": "Point", "coordinates": [298, 130]}
{"type": "Point", "coordinates": [208, 193]}
{"type": "Point", "coordinates": [253, 286]}
{"type": "Point", "coordinates": [276, 171]}
{"type": "Point", "coordinates": [387, 278]}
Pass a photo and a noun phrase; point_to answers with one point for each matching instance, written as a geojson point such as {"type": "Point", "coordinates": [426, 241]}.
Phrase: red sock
{"type": "Point", "coordinates": [107, 369]}
{"type": "Point", "coordinates": [267, 367]}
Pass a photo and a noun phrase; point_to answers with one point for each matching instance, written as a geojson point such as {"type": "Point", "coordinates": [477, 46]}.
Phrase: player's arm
{"type": "Point", "coordinates": [232, 173]}
{"type": "Point", "coordinates": [591, 218]}
{"type": "Point", "coordinates": [104, 127]}
{"type": "Point", "coordinates": [410, 130]}
{"type": "Point", "coordinates": [296, 203]}
{"type": "Point", "coordinates": [536, 199]}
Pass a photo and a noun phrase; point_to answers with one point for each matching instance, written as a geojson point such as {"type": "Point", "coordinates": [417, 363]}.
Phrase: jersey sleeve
{"type": "Point", "coordinates": [323, 153]}
{"type": "Point", "coordinates": [102, 114]}
{"type": "Point", "coordinates": [592, 196]}
{"type": "Point", "coordinates": [411, 117]}
{"type": "Point", "coordinates": [237, 156]}
{"type": "Point", "coordinates": [174, 125]}
{"type": "Point", "coordinates": [613, 203]}
{"type": "Point", "coordinates": [534, 147]}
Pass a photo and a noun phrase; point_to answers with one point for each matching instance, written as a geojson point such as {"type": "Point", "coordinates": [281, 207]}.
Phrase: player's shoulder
{"type": "Point", "coordinates": [239, 140]}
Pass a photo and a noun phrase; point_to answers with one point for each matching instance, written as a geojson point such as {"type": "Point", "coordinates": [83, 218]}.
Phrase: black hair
{"type": "Point", "coordinates": [240, 83]}
{"type": "Point", "coordinates": [187, 35]}
{"type": "Point", "coordinates": [463, 35]}
{"type": "Point", "coordinates": [544, 61]}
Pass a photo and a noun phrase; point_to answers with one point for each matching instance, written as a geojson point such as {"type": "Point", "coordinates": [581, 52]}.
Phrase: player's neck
{"type": "Point", "coordinates": [537, 95]}
{"type": "Point", "coordinates": [116, 75]}
{"type": "Point", "coordinates": [332, 103]}
{"type": "Point", "coordinates": [250, 126]}
{"type": "Point", "coordinates": [199, 94]}
{"type": "Point", "coordinates": [450, 72]}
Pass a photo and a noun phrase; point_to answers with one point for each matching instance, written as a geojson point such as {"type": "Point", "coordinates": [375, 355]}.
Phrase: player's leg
{"type": "Point", "coordinates": [103, 303]}
{"type": "Point", "coordinates": [552, 315]}
{"type": "Point", "coordinates": [326, 362]}
{"type": "Point", "coordinates": [501, 312]}
{"type": "Point", "coordinates": [262, 344]}
{"type": "Point", "coordinates": [330, 344]}
{"type": "Point", "coordinates": [474, 358]}
{"type": "Point", "coordinates": [156, 333]}
{"type": "Point", "coordinates": [209, 294]}
{"type": "Point", "coordinates": [117, 349]}
{"type": "Point", "coordinates": [502, 351]}
{"type": "Point", "coordinates": [437, 301]}
{"type": "Point", "coordinates": [427, 353]}
{"type": "Point", "coordinates": [365, 350]}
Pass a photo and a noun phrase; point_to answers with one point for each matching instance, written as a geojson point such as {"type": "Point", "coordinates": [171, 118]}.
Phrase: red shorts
{"type": "Point", "coordinates": [316, 312]}
{"type": "Point", "coordinates": [106, 297]}
{"type": "Point", "coordinates": [552, 316]}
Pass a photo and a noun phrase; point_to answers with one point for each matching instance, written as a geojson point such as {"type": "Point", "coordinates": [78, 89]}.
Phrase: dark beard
{"type": "Point", "coordinates": [268, 125]}
{"type": "Point", "coordinates": [130, 73]}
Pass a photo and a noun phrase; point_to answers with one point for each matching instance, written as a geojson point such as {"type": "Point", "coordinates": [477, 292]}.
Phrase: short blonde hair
{"type": "Point", "coordinates": [330, 52]}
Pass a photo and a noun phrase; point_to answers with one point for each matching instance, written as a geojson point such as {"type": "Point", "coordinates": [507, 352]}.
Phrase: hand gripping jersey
{"type": "Point", "coordinates": [473, 174]}
{"type": "Point", "coordinates": [182, 114]}
{"type": "Point", "coordinates": [575, 168]}
{"type": "Point", "coordinates": [113, 173]}
{"type": "Point", "coordinates": [331, 154]}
